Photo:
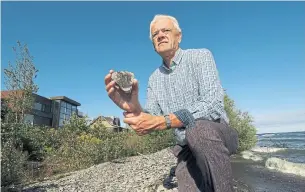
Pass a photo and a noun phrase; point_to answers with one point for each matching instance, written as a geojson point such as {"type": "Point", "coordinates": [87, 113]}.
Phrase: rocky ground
{"type": "Point", "coordinates": [145, 173]}
{"type": "Point", "coordinates": [138, 173]}
{"type": "Point", "coordinates": [153, 173]}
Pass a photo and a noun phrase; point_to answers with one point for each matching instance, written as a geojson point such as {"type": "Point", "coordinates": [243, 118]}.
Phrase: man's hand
{"type": "Point", "coordinates": [144, 123]}
{"type": "Point", "coordinates": [129, 103]}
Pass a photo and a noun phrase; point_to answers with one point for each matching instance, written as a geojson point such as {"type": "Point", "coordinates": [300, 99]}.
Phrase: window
{"type": "Point", "coordinates": [61, 122]}
{"type": "Point", "coordinates": [42, 121]}
{"type": "Point", "coordinates": [63, 104]}
{"type": "Point", "coordinates": [62, 110]}
{"type": "Point", "coordinates": [46, 108]}
{"type": "Point", "coordinates": [29, 119]}
{"type": "Point", "coordinates": [62, 116]}
{"type": "Point", "coordinates": [37, 106]}
{"type": "Point", "coordinates": [43, 107]}
{"type": "Point", "coordinates": [74, 110]}
{"type": "Point", "coordinates": [66, 111]}
{"type": "Point", "coordinates": [69, 106]}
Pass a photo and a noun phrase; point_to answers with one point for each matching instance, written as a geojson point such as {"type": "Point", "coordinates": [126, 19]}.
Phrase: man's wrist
{"type": "Point", "coordinates": [161, 123]}
{"type": "Point", "coordinates": [138, 110]}
{"type": "Point", "coordinates": [168, 121]}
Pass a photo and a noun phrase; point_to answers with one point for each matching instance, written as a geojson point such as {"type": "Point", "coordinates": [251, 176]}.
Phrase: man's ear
{"type": "Point", "coordinates": [179, 37]}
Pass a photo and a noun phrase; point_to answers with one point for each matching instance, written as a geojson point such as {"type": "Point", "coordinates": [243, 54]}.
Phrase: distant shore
{"type": "Point", "coordinates": [253, 176]}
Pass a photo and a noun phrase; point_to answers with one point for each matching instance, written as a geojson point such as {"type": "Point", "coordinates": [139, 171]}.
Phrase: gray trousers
{"type": "Point", "coordinates": [204, 163]}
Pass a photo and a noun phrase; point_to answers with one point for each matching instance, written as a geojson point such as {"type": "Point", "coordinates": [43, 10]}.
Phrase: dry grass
{"type": "Point", "coordinates": [59, 151]}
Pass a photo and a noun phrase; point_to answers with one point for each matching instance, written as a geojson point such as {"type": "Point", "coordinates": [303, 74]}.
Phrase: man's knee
{"type": "Point", "coordinates": [203, 130]}
{"type": "Point", "coordinates": [232, 141]}
{"type": "Point", "coordinates": [208, 132]}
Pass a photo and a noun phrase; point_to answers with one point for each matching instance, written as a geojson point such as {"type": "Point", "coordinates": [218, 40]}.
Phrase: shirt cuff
{"type": "Point", "coordinates": [186, 117]}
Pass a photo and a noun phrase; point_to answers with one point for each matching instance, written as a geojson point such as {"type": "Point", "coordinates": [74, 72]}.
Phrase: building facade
{"type": "Point", "coordinates": [110, 123]}
{"type": "Point", "coordinates": [51, 111]}
{"type": "Point", "coordinates": [63, 108]}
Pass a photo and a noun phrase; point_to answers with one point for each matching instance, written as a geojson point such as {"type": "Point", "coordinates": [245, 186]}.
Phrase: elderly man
{"type": "Point", "coordinates": [184, 94]}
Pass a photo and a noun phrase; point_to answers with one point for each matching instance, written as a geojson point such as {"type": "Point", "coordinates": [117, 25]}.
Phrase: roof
{"type": "Point", "coordinates": [64, 98]}
{"type": "Point", "coordinates": [17, 94]}
{"type": "Point", "coordinates": [102, 118]}
{"type": "Point", "coordinates": [5, 94]}
{"type": "Point", "coordinates": [108, 119]}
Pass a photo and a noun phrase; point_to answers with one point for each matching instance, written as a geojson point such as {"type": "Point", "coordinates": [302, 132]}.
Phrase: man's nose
{"type": "Point", "coordinates": [161, 36]}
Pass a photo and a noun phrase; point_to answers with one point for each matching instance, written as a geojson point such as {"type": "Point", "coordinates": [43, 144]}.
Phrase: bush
{"type": "Point", "coordinates": [242, 122]}
{"type": "Point", "coordinates": [95, 146]}
{"type": "Point", "coordinates": [157, 141]}
{"type": "Point", "coordinates": [13, 159]}
{"type": "Point", "coordinates": [13, 162]}
{"type": "Point", "coordinates": [77, 145]}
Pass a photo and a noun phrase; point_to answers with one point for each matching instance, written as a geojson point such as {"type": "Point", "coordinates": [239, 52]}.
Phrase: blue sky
{"type": "Point", "coordinates": [259, 48]}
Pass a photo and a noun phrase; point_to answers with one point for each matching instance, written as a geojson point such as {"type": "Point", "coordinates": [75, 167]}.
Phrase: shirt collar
{"type": "Point", "coordinates": [176, 60]}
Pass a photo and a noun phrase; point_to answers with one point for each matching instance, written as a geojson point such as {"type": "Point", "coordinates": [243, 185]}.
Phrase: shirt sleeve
{"type": "Point", "coordinates": [210, 102]}
{"type": "Point", "coordinates": [152, 107]}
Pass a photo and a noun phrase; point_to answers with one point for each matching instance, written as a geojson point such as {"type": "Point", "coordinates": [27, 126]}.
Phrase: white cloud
{"type": "Point", "coordinates": [284, 121]}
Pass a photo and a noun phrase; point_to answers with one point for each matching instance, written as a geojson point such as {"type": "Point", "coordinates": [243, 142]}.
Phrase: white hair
{"type": "Point", "coordinates": [159, 16]}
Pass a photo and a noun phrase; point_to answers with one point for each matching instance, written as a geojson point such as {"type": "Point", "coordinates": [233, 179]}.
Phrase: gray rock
{"type": "Point", "coordinates": [143, 173]}
{"type": "Point", "coordinates": [138, 173]}
{"type": "Point", "coordinates": [123, 80]}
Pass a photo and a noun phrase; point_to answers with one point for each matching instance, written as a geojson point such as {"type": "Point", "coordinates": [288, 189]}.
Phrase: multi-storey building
{"type": "Point", "coordinates": [51, 111]}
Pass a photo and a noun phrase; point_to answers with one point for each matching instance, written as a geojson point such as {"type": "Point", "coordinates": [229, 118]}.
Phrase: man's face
{"type": "Point", "coordinates": [165, 36]}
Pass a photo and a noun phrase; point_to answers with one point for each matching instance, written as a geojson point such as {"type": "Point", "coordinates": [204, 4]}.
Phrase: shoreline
{"type": "Point", "coordinates": [257, 178]}
{"type": "Point", "coordinates": [149, 172]}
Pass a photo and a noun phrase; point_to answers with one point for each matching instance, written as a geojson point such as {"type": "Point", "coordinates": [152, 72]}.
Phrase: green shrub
{"type": "Point", "coordinates": [13, 159]}
{"type": "Point", "coordinates": [76, 145]}
{"type": "Point", "coordinates": [13, 162]}
{"type": "Point", "coordinates": [242, 122]}
{"type": "Point", "coordinates": [157, 141]}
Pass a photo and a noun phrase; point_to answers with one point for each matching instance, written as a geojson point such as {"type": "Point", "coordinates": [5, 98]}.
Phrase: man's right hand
{"type": "Point", "coordinates": [129, 103]}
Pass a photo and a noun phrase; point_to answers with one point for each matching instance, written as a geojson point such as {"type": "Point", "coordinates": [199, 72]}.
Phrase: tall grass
{"type": "Point", "coordinates": [32, 153]}
{"type": "Point", "coordinates": [73, 147]}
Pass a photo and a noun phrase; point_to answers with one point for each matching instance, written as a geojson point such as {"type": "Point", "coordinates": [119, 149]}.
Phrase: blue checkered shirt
{"type": "Point", "coordinates": [190, 89]}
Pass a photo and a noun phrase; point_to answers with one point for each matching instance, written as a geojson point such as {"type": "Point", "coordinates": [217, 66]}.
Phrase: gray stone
{"type": "Point", "coordinates": [123, 80]}
{"type": "Point", "coordinates": [143, 173]}
{"type": "Point", "coordinates": [137, 173]}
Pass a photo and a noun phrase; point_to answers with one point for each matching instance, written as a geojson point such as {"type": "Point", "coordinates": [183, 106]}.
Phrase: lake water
{"type": "Point", "coordinates": [284, 152]}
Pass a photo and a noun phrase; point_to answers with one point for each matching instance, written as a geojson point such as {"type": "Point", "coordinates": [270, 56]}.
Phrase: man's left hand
{"type": "Point", "coordinates": [144, 123]}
